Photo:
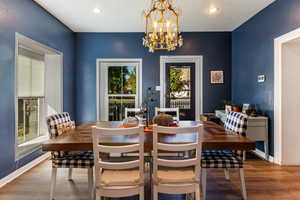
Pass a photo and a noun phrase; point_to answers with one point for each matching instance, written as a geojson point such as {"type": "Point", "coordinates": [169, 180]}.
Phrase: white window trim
{"type": "Point", "coordinates": [101, 80]}
{"type": "Point", "coordinates": [38, 48]}
{"type": "Point", "coordinates": [198, 60]}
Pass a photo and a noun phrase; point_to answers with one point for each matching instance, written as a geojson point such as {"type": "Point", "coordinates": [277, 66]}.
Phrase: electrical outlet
{"type": "Point", "coordinates": [261, 78]}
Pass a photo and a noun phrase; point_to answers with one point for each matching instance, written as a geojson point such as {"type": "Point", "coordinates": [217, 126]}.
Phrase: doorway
{"type": "Point", "coordinates": [286, 99]}
{"type": "Point", "coordinates": [180, 79]}
{"type": "Point", "coordinates": [119, 84]}
{"type": "Point", "coordinates": [189, 96]}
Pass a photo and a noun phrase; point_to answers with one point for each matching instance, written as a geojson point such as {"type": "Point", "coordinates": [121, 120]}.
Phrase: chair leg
{"type": "Point", "coordinates": [203, 176]}
{"type": "Point", "coordinates": [70, 174]}
{"type": "Point", "coordinates": [142, 195]}
{"type": "Point", "coordinates": [53, 183]}
{"type": "Point", "coordinates": [197, 192]}
{"type": "Point", "coordinates": [91, 183]}
{"type": "Point", "coordinates": [155, 192]}
{"type": "Point", "coordinates": [226, 172]}
{"type": "Point", "coordinates": [243, 185]}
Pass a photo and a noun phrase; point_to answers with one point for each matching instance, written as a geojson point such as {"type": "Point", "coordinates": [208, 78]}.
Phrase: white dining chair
{"type": "Point", "coordinates": [117, 179]}
{"type": "Point", "coordinates": [180, 175]}
{"type": "Point", "coordinates": [169, 111]}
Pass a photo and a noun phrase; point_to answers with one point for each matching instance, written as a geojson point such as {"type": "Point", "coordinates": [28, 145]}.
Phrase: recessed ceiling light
{"type": "Point", "coordinates": [213, 10]}
{"type": "Point", "coordinates": [97, 10]}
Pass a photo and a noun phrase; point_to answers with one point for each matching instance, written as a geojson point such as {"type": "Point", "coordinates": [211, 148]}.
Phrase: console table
{"type": "Point", "coordinates": [257, 129]}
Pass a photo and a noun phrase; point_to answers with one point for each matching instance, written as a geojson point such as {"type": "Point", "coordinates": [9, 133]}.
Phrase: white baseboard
{"type": "Point", "coordinates": [23, 169]}
{"type": "Point", "coordinates": [262, 155]}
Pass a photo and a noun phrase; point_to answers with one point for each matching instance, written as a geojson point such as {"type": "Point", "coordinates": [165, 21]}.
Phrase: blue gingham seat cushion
{"type": "Point", "coordinates": [221, 159]}
{"type": "Point", "coordinates": [74, 160]}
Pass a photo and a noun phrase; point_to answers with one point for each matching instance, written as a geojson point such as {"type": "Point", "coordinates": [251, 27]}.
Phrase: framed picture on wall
{"type": "Point", "coordinates": [217, 77]}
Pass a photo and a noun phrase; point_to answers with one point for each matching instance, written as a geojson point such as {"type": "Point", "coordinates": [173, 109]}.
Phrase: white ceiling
{"type": "Point", "coordinates": [126, 15]}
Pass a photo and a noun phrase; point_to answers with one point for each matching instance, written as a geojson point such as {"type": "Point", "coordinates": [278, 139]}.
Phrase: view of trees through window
{"type": "Point", "coordinates": [122, 90]}
{"type": "Point", "coordinates": [28, 119]}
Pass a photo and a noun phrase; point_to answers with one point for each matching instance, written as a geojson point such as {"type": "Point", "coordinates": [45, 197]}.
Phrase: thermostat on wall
{"type": "Point", "coordinates": [157, 88]}
{"type": "Point", "coordinates": [261, 78]}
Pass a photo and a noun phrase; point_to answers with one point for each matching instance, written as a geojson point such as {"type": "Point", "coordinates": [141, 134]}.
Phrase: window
{"type": "Point", "coordinates": [119, 85]}
{"type": "Point", "coordinates": [121, 90]}
{"type": "Point", "coordinates": [30, 95]}
{"type": "Point", "coordinates": [38, 92]}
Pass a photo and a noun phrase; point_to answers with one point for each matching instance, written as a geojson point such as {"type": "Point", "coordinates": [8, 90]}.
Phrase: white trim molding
{"type": "Point", "coordinates": [23, 169]}
{"type": "Point", "coordinates": [278, 43]}
{"type": "Point", "coordinates": [100, 76]}
{"type": "Point", "coordinates": [262, 155]}
{"type": "Point", "coordinates": [198, 60]}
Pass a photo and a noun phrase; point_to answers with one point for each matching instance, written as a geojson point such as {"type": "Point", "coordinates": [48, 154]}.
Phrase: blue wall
{"type": "Point", "coordinates": [215, 48]}
{"type": "Point", "coordinates": [253, 54]}
{"type": "Point", "coordinates": [27, 18]}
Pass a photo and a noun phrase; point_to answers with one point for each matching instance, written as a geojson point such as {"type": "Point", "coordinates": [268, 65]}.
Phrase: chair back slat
{"type": "Point", "coordinates": [131, 110]}
{"type": "Point", "coordinates": [175, 130]}
{"type": "Point", "coordinates": [168, 110]}
{"type": "Point", "coordinates": [119, 149]}
{"type": "Point", "coordinates": [177, 163]}
{"type": "Point", "coordinates": [176, 147]}
{"type": "Point", "coordinates": [197, 146]}
{"type": "Point", "coordinates": [99, 133]}
{"type": "Point", "coordinates": [117, 131]}
{"type": "Point", "coordinates": [119, 165]}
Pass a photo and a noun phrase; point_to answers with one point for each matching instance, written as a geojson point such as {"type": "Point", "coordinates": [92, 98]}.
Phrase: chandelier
{"type": "Point", "coordinates": [162, 27]}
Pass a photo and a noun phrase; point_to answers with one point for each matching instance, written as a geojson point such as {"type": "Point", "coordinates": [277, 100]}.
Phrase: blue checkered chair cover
{"type": "Point", "coordinates": [61, 159]}
{"type": "Point", "coordinates": [236, 123]}
{"type": "Point", "coordinates": [54, 121]}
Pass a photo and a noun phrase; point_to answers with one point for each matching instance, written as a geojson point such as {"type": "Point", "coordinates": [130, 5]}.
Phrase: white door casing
{"type": "Point", "coordinates": [280, 138]}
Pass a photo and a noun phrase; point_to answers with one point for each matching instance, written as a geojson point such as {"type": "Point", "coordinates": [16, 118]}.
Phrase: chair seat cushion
{"type": "Point", "coordinates": [174, 175]}
{"type": "Point", "coordinates": [74, 160]}
{"type": "Point", "coordinates": [221, 159]}
{"type": "Point", "coordinates": [120, 178]}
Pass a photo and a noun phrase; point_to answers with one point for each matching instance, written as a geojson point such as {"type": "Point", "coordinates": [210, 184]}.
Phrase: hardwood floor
{"type": "Point", "coordinates": [264, 181]}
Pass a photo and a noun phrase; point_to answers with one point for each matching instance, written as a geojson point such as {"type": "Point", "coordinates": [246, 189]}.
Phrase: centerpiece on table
{"type": "Point", "coordinates": [146, 106]}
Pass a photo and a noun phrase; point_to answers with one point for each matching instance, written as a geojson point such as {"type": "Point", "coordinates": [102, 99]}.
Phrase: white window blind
{"type": "Point", "coordinates": [31, 72]}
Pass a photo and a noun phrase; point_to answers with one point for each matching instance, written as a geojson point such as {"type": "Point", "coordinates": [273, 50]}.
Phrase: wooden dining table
{"type": "Point", "coordinates": [214, 137]}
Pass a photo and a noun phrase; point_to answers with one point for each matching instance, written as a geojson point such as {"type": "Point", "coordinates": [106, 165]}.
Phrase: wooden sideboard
{"type": "Point", "coordinates": [257, 129]}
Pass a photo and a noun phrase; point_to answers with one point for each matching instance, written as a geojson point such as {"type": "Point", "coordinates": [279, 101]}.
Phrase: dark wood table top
{"type": "Point", "coordinates": [214, 138]}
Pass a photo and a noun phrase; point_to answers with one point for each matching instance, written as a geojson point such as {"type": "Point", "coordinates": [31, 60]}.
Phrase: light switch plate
{"type": "Point", "coordinates": [261, 78]}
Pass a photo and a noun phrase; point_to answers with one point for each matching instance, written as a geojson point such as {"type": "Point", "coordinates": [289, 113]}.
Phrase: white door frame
{"type": "Point", "coordinates": [278, 139]}
{"type": "Point", "coordinates": [198, 60]}
{"type": "Point", "coordinates": [139, 72]}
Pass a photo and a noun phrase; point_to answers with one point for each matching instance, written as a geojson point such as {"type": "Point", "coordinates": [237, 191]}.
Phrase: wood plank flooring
{"type": "Point", "coordinates": [264, 181]}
